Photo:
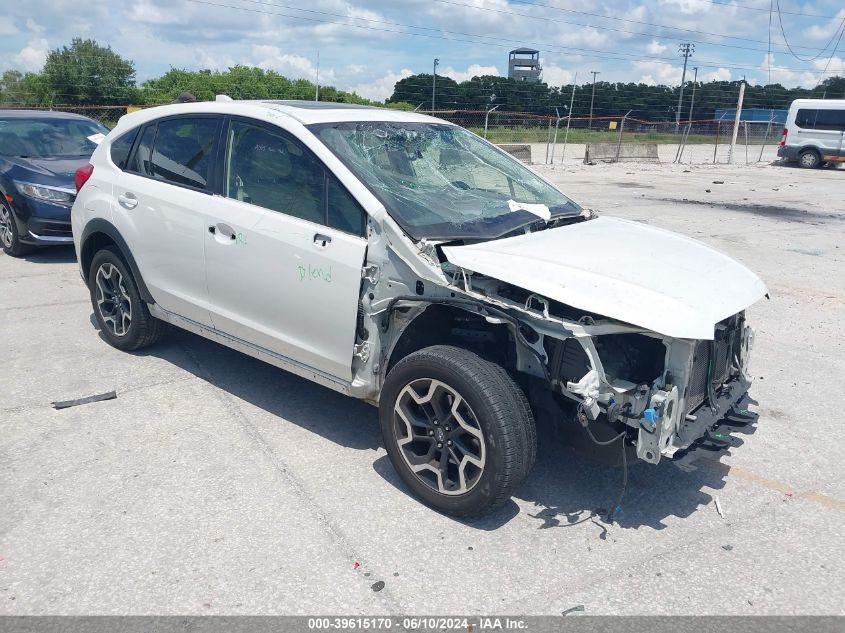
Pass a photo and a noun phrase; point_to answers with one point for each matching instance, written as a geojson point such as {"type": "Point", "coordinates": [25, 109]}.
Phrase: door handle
{"type": "Point", "coordinates": [223, 230]}
{"type": "Point", "coordinates": [127, 200]}
{"type": "Point", "coordinates": [322, 240]}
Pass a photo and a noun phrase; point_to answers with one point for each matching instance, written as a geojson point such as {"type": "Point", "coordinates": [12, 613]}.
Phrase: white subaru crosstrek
{"type": "Point", "coordinates": [403, 260]}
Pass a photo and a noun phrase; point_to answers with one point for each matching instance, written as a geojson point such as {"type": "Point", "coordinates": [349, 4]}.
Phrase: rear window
{"type": "Point", "coordinates": [121, 147]}
{"type": "Point", "coordinates": [818, 119]}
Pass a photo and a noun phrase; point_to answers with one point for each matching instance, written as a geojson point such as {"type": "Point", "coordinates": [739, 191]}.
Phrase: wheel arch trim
{"type": "Point", "coordinates": [104, 227]}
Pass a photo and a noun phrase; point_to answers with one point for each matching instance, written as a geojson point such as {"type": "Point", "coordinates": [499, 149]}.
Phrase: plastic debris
{"type": "Point", "coordinates": [64, 404]}
{"type": "Point", "coordinates": [718, 507]}
{"type": "Point", "coordinates": [377, 586]}
{"type": "Point", "coordinates": [577, 607]}
{"type": "Point", "coordinates": [357, 565]}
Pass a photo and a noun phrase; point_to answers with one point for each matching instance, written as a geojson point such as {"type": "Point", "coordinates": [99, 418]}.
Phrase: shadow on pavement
{"type": "Point", "coordinates": [565, 488]}
{"type": "Point", "coordinates": [52, 255]}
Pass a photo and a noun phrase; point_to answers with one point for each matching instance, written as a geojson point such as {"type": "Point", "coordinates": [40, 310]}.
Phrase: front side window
{"type": "Point", "coordinates": [183, 151]}
{"type": "Point", "coordinates": [272, 170]}
{"type": "Point", "coordinates": [439, 181]}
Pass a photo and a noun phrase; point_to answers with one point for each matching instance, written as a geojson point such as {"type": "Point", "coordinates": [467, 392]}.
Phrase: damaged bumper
{"type": "Point", "coordinates": [728, 402]}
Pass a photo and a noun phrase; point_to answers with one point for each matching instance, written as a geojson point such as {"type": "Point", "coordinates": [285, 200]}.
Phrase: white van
{"type": "Point", "coordinates": [814, 133]}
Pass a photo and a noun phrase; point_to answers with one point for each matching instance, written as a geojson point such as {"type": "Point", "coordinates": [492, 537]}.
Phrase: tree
{"type": "Point", "coordinates": [416, 89]}
{"type": "Point", "coordinates": [86, 73]}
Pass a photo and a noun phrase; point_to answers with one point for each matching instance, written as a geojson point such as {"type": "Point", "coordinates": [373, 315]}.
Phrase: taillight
{"type": "Point", "coordinates": [783, 138]}
{"type": "Point", "coordinates": [82, 175]}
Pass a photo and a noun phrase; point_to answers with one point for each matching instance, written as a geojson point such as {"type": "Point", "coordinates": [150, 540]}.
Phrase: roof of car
{"type": "Point", "coordinates": [305, 112]}
{"type": "Point", "coordinates": [14, 113]}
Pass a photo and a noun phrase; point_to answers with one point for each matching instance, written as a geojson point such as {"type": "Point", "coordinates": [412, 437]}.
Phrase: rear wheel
{"type": "Point", "coordinates": [458, 429]}
{"type": "Point", "coordinates": [809, 159]}
{"type": "Point", "coordinates": [9, 236]}
{"type": "Point", "coordinates": [123, 317]}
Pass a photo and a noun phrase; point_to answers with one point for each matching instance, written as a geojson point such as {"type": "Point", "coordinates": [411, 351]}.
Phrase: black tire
{"type": "Point", "coordinates": [809, 159]}
{"type": "Point", "coordinates": [491, 403]}
{"type": "Point", "coordinates": [9, 236]}
{"type": "Point", "coordinates": [140, 329]}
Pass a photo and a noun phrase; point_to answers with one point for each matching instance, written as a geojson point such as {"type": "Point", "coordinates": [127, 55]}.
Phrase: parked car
{"type": "Point", "coordinates": [40, 152]}
{"type": "Point", "coordinates": [403, 260]}
{"type": "Point", "coordinates": [814, 133]}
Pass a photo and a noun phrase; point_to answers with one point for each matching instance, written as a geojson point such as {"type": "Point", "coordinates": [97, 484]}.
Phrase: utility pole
{"type": "Point", "coordinates": [692, 101]}
{"type": "Point", "coordinates": [317, 92]}
{"type": "Point", "coordinates": [592, 98]}
{"type": "Point", "coordinates": [434, 82]}
{"type": "Point", "coordinates": [736, 121]}
{"type": "Point", "coordinates": [686, 50]}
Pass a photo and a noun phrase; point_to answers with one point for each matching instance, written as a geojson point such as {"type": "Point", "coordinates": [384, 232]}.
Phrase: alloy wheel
{"type": "Point", "coordinates": [113, 301]}
{"type": "Point", "coordinates": [6, 235]}
{"type": "Point", "coordinates": [439, 436]}
{"type": "Point", "coordinates": [808, 160]}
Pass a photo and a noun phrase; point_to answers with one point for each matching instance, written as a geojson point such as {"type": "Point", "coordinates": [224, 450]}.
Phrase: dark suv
{"type": "Point", "coordinates": [40, 152]}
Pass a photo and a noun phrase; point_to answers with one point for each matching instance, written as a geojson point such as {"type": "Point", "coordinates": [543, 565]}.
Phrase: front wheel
{"type": "Point", "coordinates": [457, 429]}
{"type": "Point", "coordinates": [9, 237]}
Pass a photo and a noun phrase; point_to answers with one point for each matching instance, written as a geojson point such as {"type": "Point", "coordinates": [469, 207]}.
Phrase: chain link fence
{"type": "Point", "coordinates": [549, 136]}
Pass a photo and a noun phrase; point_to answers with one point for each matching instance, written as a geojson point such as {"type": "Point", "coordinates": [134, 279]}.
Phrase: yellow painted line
{"type": "Point", "coordinates": [772, 484]}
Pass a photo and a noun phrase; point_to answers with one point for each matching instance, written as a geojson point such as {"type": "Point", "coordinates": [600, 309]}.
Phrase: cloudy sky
{"type": "Point", "coordinates": [367, 45]}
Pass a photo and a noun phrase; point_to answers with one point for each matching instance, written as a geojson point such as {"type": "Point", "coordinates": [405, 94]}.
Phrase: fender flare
{"type": "Point", "coordinates": [99, 225]}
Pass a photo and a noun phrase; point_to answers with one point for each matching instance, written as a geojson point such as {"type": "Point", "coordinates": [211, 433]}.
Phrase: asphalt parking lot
{"type": "Point", "coordinates": [216, 484]}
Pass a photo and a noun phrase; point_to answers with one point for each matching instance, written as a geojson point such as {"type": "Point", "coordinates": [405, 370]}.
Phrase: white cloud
{"type": "Point", "coordinates": [825, 31]}
{"type": "Point", "coordinates": [793, 78]}
{"type": "Point", "coordinates": [556, 76]}
{"type": "Point", "coordinates": [689, 6]}
{"type": "Point", "coordinates": [720, 74]}
{"type": "Point", "coordinates": [380, 89]}
{"type": "Point", "coordinates": [7, 27]}
{"type": "Point", "coordinates": [656, 48]}
{"type": "Point", "coordinates": [149, 13]}
{"type": "Point", "coordinates": [33, 26]}
{"type": "Point", "coordinates": [658, 73]}
{"type": "Point", "coordinates": [32, 56]}
{"type": "Point", "coordinates": [474, 70]}
{"type": "Point", "coordinates": [293, 66]}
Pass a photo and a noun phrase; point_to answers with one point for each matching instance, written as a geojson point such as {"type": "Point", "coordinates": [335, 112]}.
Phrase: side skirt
{"type": "Point", "coordinates": [245, 347]}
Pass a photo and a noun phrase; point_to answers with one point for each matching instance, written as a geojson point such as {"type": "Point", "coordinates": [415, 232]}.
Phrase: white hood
{"type": "Point", "coordinates": [624, 270]}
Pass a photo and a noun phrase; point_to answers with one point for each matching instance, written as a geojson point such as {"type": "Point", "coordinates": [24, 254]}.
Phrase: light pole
{"type": "Point", "coordinates": [487, 116]}
{"type": "Point", "coordinates": [592, 98]}
{"type": "Point", "coordinates": [434, 82]}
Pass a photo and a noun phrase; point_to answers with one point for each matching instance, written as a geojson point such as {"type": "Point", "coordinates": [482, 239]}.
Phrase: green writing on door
{"type": "Point", "coordinates": [315, 273]}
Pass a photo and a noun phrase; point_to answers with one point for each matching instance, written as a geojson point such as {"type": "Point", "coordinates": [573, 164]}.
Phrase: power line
{"type": "Point", "coordinates": [821, 52]}
{"type": "Point", "coordinates": [608, 28]}
{"type": "Point", "coordinates": [478, 38]}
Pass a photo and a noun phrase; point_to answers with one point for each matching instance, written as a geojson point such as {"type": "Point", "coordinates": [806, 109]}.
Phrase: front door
{"type": "Point", "coordinates": [285, 252]}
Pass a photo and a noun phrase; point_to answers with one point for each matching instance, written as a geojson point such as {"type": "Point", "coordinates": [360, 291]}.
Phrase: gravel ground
{"type": "Point", "coordinates": [216, 484]}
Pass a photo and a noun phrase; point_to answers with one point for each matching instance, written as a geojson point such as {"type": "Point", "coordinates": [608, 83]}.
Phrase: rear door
{"type": "Point", "coordinates": [285, 250]}
{"type": "Point", "coordinates": [161, 207]}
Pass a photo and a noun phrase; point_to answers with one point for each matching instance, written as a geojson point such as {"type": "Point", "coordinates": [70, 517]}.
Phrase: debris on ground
{"type": "Point", "coordinates": [718, 182]}
{"type": "Point", "coordinates": [718, 507]}
{"type": "Point", "coordinates": [377, 586]}
{"type": "Point", "coordinates": [727, 548]}
{"type": "Point", "coordinates": [64, 404]}
{"type": "Point", "coordinates": [577, 607]}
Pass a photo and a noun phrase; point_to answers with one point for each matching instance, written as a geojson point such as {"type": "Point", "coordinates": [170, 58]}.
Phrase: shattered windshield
{"type": "Point", "coordinates": [439, 181]}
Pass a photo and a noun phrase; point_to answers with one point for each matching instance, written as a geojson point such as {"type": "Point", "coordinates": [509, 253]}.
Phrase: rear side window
{"type": "Point", "coordinates": [183, 151]}
{"type": "Point", "coordinates": [813, 119]}
{"type": "Point", "coordinates": [140, 160]}
{"type": "Point", "coordinates": [121, 147]}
